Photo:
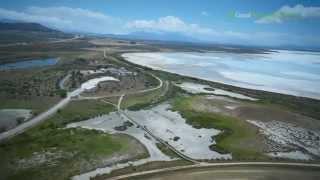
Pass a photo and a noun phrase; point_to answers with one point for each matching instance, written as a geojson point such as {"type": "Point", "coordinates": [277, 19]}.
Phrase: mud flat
{"type": "Point", "coordinates": [297, 155]}
{"type": "Point", "coordinates": [304, 142]}
{"type": "Point", "coordinates": [165, 124]}
{"type": "Point", "coordinates": [114, 123]}
{"type": "Point", "coordinates": [288, 135]}
{"type": "Point", "coordinates": [172, 128]}
{"type": "Point", "coordinates": [201, 88]}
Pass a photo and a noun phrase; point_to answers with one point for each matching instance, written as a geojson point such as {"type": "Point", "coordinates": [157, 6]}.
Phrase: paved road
{"type": "Point", "coordinates": [63, 81]}
{"type": "Point", "coordinates": [194, 167]}
{"type": "Point", "coordinates": [143, 127]}
{"type": "Point", "coordinates": [32, 122]}
{"type": "Point", "coordinates": [152, 89]}
{"type": "Point", "coordinates": [119, 102]}
{"type": "Point", "coordinates": [37, 119]}
{"type": "Point", "coordinates": [41, 117]}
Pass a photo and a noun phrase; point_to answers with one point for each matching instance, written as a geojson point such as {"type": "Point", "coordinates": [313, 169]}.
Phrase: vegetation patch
{"type": "Point", "coordinates": [50, 151]}
{"type": "Point", "coordinates": [79, 111]}
{"type": "Point", "coordinates": [139, 101]}
{"type": "Point", "coordinates": [236, 134]}
{"type": "Point", "coordinates": [167, 151]}
{"type": "Point", "coordinates": [36, 104]}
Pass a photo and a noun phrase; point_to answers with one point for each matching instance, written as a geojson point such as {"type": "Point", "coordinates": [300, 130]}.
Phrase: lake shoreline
{"type": "Point", "coordinates": [284, 72]}
{"type": "Point", "coordinates": [302, 105]}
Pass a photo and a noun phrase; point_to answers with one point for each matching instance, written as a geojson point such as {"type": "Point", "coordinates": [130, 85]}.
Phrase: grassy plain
{"type": "Point", "coordinates": [49, 151]}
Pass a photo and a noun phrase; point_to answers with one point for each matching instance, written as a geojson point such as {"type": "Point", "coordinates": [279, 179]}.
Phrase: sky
{"type": "Point", "coordinates": [246, 22]}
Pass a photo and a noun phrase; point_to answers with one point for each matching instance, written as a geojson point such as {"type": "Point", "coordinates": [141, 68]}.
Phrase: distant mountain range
{"type": "Point", "coordinates": [24, 26]}
{"type": "Point", "coordinates": [18, 26]}
{"type": "Point", "coordinates": [12, 32]}
{"type": "Point", "coordinates": [163, 36]}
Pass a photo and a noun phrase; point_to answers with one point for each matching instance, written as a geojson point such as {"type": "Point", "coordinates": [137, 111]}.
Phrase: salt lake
{"type": "Point", "coordinates": [288, 72]}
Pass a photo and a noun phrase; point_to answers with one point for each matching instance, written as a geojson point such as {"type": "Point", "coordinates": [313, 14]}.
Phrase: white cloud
{"type": "Point", "coordinates": [175, 24]}
{"type": "Point", "coordinates": [68, 19]}
{"type": "Point", "coordinates": [242, 15]}
{"type": "Point", "coordinates": [82, 20]}
{"type": "Point", "coordinates": [169, 24]}
{"type": "Point", "coordinates": [286, 12]}
{"type": "Point", "coordinates": [204, 13]}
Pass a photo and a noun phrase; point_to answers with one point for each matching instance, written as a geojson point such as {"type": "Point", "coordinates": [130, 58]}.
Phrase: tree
{"type": "Point", "coordinates": [62, 93]}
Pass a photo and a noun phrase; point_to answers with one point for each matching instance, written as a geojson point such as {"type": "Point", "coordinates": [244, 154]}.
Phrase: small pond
{"type": "Point", "coordinates": [29, 64]}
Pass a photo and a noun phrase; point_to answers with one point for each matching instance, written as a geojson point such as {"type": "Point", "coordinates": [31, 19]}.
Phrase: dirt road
{"type": "Point", "coordinates": [236, 170]}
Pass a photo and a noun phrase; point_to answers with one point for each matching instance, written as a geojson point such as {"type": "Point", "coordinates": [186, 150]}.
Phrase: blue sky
{"type": "Point", "coordinates": [251, 22]}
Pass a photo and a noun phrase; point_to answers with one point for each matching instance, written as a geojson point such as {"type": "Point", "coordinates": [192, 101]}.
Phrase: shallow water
{"type": "Point", "coordinates": [29, 64]}
{"type": "Point", "coordinates": [289, 72]}
{"type": "Point", "coordinates": [9, 117]}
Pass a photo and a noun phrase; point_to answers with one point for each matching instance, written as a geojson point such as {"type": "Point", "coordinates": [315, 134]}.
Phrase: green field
{"type": "Point", "coordinates": [137, 101]}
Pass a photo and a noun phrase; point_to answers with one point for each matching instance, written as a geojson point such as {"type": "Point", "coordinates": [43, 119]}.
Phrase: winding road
{"type": "Point", "coordinates": [34, 121]}
{"type": "Point", "coordinates": [145, 129]}
{"type": "Point", "coordinates": [41, 117]}
{"type": "Point", "coordinates": [44, 115]}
